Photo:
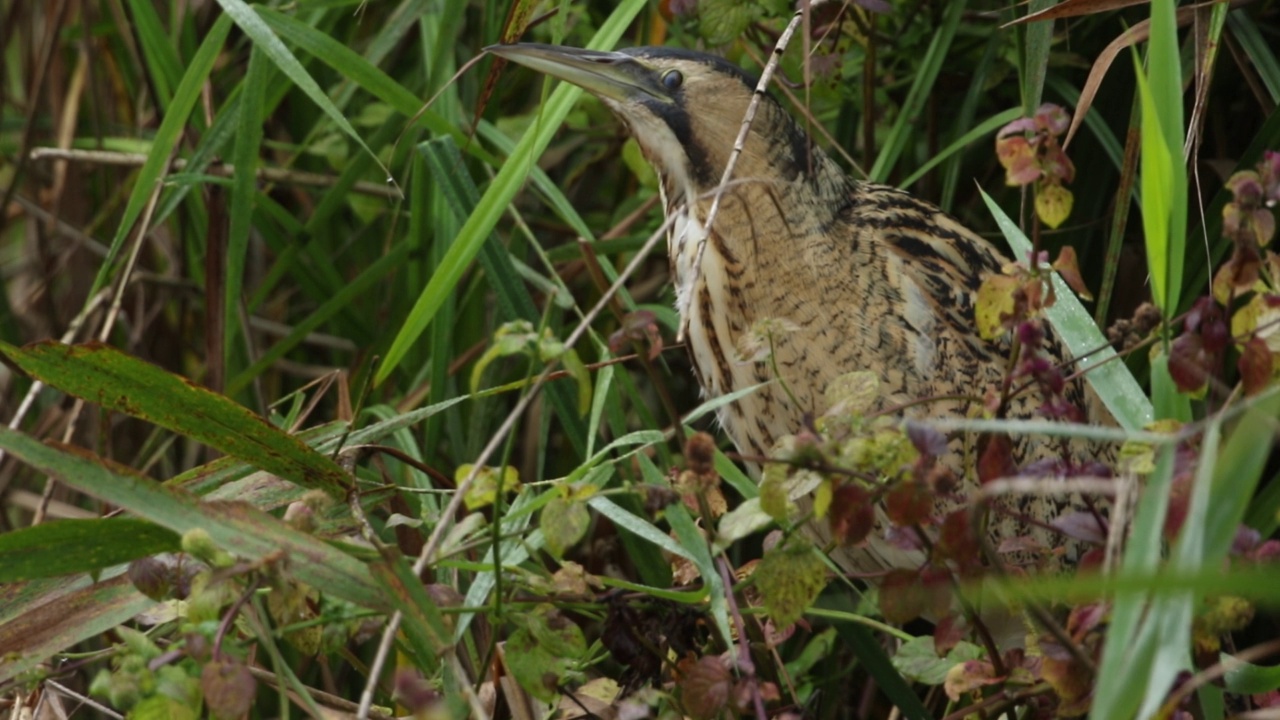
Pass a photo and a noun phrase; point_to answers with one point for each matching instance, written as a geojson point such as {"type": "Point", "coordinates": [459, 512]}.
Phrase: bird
{"type": "Point", "coordinates": [850, 275]}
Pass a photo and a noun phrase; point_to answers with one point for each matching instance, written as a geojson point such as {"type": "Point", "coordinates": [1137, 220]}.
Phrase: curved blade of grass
{"type": "Point", "coordinates": [1124, 659]}
{"type": "Point", "coordinates": [1112, 381]}
{"type": "Point", "coordinates": [103, 375]}
{"type": "Point", "coordinates": [266, 40]}
{"type": "Point", "coordinates": [499, 194]}
{"type": "Point", "coordinates": [637, 525]}
{"type": "Point", "coordinates": [163, 64]}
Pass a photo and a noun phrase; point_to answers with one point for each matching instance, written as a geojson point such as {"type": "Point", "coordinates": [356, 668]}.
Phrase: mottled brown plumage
{"type": "Point", "coordinates": [852, 276]}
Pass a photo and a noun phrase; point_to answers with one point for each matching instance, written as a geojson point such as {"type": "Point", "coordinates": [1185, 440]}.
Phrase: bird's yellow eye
{"type": "Point", "coordinates": [672, 80]}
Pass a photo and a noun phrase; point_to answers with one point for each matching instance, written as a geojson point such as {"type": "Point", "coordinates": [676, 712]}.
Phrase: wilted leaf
{"type": "Point", "coordinates": [995, 305]}
{"type": "Point", "coordinates": [852, 393]}
{"type": "Point", "coordinates": [996, 460]}
{"type": "Point", "coordinates": [564, 522]}
{"type": "Point", "coordinates": [1072, 682]}
{"type": "Point", "coordinates": [1069, 269]}
{"type": "Point", "coordinates": [968, 676]}
{"type": "Point", "coordinates": [543, 651]}
{"type": "Point", "coordinates": [852, 515]}
{"type": "Point", "coordinates": [957, 539]}
{"type": "Point", "coordinates": [228, 688]}
{"type": "Point", "coordinates": [1190, 365]}
{"type": "Point", "coordinates": [948, 633]}
{"type": "Point", "coordinates": [484, 489]}
{"type": "Point", "coordinates": [1255, 365]}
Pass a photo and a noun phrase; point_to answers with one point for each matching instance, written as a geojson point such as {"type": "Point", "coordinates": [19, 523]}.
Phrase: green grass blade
{"type": "Point", "coordinates": [163, 64]}
{"type": "Point", "coordinates": [1112, 381]}
{"type": "Point", "coordinates": [1164, 174]}
{"type": "Point", "coordinates": [244, 190]}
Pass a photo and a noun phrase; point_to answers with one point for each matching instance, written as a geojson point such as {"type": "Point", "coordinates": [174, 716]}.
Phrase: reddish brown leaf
{"type": "Point", "coordinates": [1073, 8]}
{"type": "Point", "coordinates": [1069, 679]}
{"type": "Point", "coordinates": [958, 542]}
{"type": "Point", "coordinates": [996, 460]}
{"type": "Point", "coordinates": [1189, 363]}
{"type": "Point", "coordinates": [1255, 365]}
{"type": "Point", "coordinates": [909, 503]}
{"type": "Point", "coordinates": [705, 687]}
{"type": "Point", "coordinates": [1068, 267]}
{"type": "Point", "coordinates": [948, 632]}
{"type": "Point", "coordinates": [852, 514]}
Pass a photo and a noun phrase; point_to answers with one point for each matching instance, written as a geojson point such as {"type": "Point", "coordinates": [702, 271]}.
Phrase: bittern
{"type": "Point", "coordinates": [858, 276]}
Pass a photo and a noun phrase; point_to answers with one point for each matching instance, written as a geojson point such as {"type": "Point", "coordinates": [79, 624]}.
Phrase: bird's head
{"type": "Point", "coordinates": [685, 110]}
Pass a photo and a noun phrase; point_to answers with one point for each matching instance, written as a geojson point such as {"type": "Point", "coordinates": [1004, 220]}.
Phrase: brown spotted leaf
{"type": "Point", "coordinates": [109, 378]}
{"type": "Point", "coordinates": [228, 688]}
{"type": "Point", "coordinates": [564, 522]}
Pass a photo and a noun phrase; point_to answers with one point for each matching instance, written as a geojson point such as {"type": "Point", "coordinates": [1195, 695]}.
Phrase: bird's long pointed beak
{"type": "Point", "coordinates": [610, 75]}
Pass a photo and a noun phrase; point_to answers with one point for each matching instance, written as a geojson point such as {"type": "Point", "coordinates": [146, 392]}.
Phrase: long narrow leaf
{"type": "Point", "coordinates": [268, 42]}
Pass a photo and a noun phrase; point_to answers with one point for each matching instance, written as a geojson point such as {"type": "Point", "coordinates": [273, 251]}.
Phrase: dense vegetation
{"type": "Point", "coordinates": [294, 359]}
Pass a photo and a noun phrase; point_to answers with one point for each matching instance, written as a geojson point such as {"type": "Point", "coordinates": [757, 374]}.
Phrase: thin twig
{"type": "Point", "coordinates": [739, 144]}
{"type": "Point", "coordinates": [269, 174]}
